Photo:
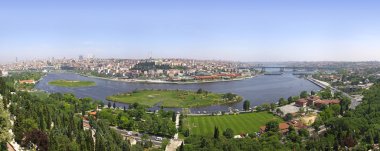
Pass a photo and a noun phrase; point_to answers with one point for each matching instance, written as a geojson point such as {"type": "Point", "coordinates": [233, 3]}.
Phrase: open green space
{"type": "Point", "coordinates": [242, 123]}
{"type": "Point", "coordinates": [174, 98]}
{"type": "Point", "coordinates": [73, 84]}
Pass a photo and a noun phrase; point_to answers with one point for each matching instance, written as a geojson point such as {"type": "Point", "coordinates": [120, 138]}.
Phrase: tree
{"type": "Point", "coordinates": [246, 105]}
{"type": "Point", "coordinates": [145, 137]}
{"type": "Point", "coordinates": [216, 132]}
{"type": "Point", "coordinates": [344, 104]}
{"type": "Point", "coordinates": [326, 93]}
{"type": "Point", "coordinates": [41, 121]}
{"type": "Point", "coordinates": [229, 96]}
{"type": "Point", "coordinates": [259, 108]}
{"type": "Point", "coordinates": [200, 91]}
{"type": "Point", "coordinates": [288, 117]}
{"type": "Point", "coordinates": [272, 126]}
{"type": "Point", "coordinates": [282, 102]}
{"type": "Point", "coordinates": [303, 132]}
{"type": "Point", "coordinates": [304, 94]}
{"type": "Point", "coordinates": [38, 138]}
{"type": "Point", "coordinates": [186, 133]}
{"type": "Point", "coordinates": [174, 117]}
{"type": "Point", "coordinates": [99, 141]}
{"type": "Point", "coordinates": [312, 92]}
{"type": "Point", "coordinates": [83, 111]}
{"type": "Point", "coordinates": [273, 106]}
{"type": "Point", "coordinates": [5, 124]}
{"type": "Point", "coordinates": [338, 95]}
{"type": "Point", "coordinates": [290, 99]}
{"type": "Point", "coordinates": [228, 133]}
{"type": "Point", "coordinates": [48, 119]}
{"type": "Point", "coordinates": [23, 126]}
{"type": "Point", "coordinates": [279, 112]}
{"type": "Point", "coordinates": [164, 143]}
{"type": "Point", "coordinates": [292, 136]}
{"type": "Point", "coordinates": [265, 107]}
{"type": "Point", "coordinates": [204, 142]}
{"type": "Point", "coordinates": [125, 146]}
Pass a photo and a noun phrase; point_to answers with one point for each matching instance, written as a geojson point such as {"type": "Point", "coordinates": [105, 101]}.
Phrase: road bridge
{"type": "Point", "coordinates": [293, 68]}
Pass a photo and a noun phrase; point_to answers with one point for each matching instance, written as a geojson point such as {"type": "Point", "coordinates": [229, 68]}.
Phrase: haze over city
{"type": "Point", "coordinates": [228, 30]}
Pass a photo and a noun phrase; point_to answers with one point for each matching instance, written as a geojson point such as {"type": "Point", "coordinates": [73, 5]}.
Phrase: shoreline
{"type": "Point", "coordinates": [162, 81]}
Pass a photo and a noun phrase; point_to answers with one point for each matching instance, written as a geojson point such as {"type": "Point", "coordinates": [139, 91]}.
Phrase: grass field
{"type": "Point", "coordinates": [169, 98]}
{"type": "Point", "coordinates": [68, 83]}
{"type": "Point", "coordinates": [242, 123]}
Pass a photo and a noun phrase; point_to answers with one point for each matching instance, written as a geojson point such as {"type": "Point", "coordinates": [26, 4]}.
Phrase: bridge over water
{"type": "Point", "coordinates": [293, 68]}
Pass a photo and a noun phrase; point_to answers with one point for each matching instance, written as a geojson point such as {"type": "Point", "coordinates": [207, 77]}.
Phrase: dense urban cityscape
{"type": "Point", "coordinates": [153, 69]}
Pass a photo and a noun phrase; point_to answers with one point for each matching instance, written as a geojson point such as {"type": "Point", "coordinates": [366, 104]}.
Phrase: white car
{"type": "Point", "coordinates": [158, 138]}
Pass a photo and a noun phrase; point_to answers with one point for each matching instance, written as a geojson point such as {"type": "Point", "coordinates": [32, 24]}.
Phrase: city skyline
{"type": "Point", "coordinates": [218, 30]}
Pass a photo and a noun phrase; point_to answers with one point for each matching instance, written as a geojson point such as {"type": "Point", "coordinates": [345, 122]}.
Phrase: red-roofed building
{"type": "Point", "coordinates": [315, 101]}
{"type": "Point", "coordinates": [282, 127]}
{"type": "Point", "coordinates": [301, 103]}
{"type": "Point", "coordinates": [319, 103]}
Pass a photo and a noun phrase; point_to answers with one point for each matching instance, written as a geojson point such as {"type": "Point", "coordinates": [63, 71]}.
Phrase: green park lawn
{"type": "Point", "coordinates": [242, 123]}
{"type": "Point", "coordinates": [72, 84]}
{"type": "Point", "coordinates": [169, 98]}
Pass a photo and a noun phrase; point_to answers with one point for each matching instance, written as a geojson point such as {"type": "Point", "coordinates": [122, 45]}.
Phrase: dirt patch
{"type": "Point", "coordinates": [308, 120]}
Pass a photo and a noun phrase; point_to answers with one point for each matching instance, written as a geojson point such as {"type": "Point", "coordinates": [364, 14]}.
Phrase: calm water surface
{"type": "Point", "coordinates": [261, 89]}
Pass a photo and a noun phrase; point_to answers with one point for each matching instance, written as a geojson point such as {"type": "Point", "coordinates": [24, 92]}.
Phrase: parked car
{"type": "Point", "coordinates": [158, 138]}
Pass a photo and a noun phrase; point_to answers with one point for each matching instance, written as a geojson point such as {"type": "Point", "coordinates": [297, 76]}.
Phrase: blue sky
{"type": "Point", "coordinates": [267, 30]}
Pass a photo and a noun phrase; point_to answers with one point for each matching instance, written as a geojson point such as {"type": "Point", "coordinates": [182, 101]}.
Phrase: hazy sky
{"type": "Point", "coordinates": [265, 30]}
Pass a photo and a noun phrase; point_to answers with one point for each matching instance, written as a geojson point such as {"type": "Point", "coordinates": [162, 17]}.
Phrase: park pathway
{"type": "Point", "coordinates": [175, 142]}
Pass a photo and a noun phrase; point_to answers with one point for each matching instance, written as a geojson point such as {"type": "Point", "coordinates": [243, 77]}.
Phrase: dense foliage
{"type": "Point", "coordinates": [359, 128]}
{"type": "Point", "coordinates": [54, 122]}
{"type": "Point", "coordinates": [136, 119]}
{"type": "Point", "coordinates": [4, 125]}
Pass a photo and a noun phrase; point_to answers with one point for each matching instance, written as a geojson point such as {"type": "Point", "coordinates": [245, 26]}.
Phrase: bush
{"type": "Point", "coordinates": [228, 133]}
{"type": "Point", "coordinates": [186, 133]}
